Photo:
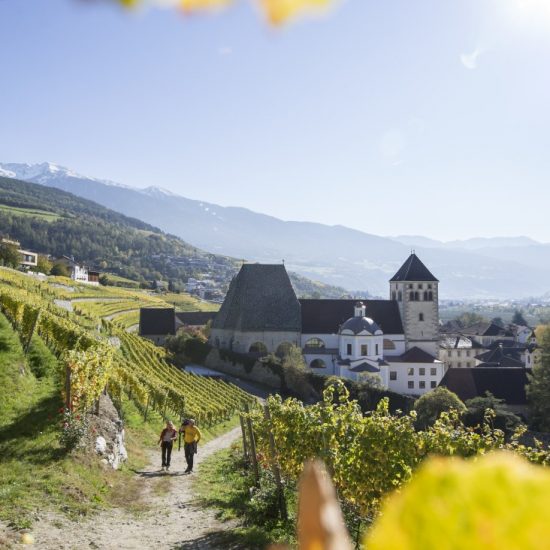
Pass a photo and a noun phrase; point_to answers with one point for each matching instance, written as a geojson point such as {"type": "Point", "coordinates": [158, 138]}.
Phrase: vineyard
{"type": "Point", "coordinates": [369, 455]}
{"type": "Point", "coordinates": [99, 354]}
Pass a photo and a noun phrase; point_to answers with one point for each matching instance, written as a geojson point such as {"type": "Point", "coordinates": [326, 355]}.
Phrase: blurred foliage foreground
{"type": "Point", "coordinates": [277, 12]}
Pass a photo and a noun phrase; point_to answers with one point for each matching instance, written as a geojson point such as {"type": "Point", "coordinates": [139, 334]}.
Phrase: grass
{"type": "Point", "coordinates": [226, 485]}
{"type": "Point", "coordinates": [187, 302]}
{"type": "Point", "coordinates": [30, 212]}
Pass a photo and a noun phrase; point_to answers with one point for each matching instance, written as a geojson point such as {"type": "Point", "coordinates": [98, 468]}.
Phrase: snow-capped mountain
{"type": "Point", "coordinates": [509, 268]}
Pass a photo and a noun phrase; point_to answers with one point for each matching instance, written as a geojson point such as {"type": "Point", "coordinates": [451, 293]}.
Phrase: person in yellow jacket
{"type": "Point", "coordinates": [191, 436]}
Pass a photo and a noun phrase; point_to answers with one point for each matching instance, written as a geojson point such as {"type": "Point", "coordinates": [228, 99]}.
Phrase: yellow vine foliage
{"type": "Point", "coordinates": [496, 502]}
{"type": "Point", "coordinates": [277, 12]}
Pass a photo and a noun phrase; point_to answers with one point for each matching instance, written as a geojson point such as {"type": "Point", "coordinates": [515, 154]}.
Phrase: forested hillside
{"type": "Point", "coordinates": [51, 221]}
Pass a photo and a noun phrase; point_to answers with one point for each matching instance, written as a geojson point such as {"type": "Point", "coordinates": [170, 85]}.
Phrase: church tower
{"type": "Point", "coordinates": [416, 291]}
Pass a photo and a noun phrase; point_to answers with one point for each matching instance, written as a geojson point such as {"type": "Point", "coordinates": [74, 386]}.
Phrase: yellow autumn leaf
{"type": "Point", "coordinates": [497, 502]}
{"type": "Point", "coordinates": [197, 5]}
{"type": "Point", "coordinates": [279, 11]}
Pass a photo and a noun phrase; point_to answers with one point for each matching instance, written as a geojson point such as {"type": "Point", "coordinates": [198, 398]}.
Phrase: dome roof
{"type": "Point", "coordinates": [360, 324]}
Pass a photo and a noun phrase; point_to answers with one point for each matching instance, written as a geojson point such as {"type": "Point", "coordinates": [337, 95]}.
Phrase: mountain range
{"type": "Point", "coordinates": [476, 268]}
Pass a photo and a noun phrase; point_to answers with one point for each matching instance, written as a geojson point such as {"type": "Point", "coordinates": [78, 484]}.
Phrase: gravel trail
{"type": "Point", "coordinates": [173, 520]}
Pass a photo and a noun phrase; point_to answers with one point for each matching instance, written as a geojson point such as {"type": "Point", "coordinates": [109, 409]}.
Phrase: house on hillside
{"type": "Point", "coordinates": [395, 339]}
{"type": "Point", "coordinates": [27, 259]}
{"type": "Point", "coordinates": [156, 324]}
{"type": "Point", "coordinates": [78, 272]}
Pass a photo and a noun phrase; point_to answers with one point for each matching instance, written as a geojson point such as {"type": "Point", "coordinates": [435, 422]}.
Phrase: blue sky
{"type": "Point", "coordinates": [393, 117]}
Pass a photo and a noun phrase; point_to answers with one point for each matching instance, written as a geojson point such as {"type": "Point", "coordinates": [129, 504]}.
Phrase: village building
{"type": "Point", "coordinates": [27, 259]}
{"type": "Point", "coordinates": [156, 324]}
{"type": "Point", "coordinates": [396, 340]}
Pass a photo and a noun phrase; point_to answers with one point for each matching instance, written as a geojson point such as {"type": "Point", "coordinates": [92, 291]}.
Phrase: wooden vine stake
{"type": "Point", "coordinates": [275, 466]}
{"type": "Point", "coordinates": [321, 524]}
{"type": "Point", "coordinates": [253, 455]}
{"type": "Point", "coordinates": [68, 387]}
{"type": "Point", "coordinates": [245, 446]}
{"type": "Point", "coordinates": [33, 328]}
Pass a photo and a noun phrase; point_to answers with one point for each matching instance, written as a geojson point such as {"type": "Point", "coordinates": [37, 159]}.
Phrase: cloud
{"type": "Point", "coordinates": [469, 60]}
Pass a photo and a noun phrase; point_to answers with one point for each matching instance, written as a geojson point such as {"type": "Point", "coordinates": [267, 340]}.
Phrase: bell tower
{"type": "Point", "coordinates": [416, 292]}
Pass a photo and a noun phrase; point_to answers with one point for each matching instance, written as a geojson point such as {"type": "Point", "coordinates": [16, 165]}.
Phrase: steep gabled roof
{"type": "Point", "coordinates": [260, 297]}
{"type": "Point", "coordinates": [157, 321]}
{"type": "Point", "coordinates": [413, 270]}
{"type": "Point", "coordinates": [504, 383]}
{"type": "Point", "coordinates": [326, 316]}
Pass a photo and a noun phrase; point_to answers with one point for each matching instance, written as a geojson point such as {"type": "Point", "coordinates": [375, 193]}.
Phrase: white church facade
{"type": "Point", "coordinates": [395, 339]}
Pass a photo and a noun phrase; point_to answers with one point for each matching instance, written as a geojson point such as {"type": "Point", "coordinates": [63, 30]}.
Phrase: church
{"type": "Point", "coordinates": [395, 339]}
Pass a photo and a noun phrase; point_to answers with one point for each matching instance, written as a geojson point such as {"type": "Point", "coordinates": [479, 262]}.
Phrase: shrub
{"type": "Point", "coordinates": [74, 428]}
{"type": "Point", "coordinates": [429, 406]}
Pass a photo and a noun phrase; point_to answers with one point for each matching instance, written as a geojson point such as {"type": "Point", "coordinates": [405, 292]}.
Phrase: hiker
{"type": "Point", "coordinates": [166, 441]}
{"type": "Point", "coordinates": [191, 436]}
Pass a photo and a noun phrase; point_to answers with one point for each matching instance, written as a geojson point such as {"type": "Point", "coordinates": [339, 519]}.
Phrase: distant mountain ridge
{"type": "Point", "coordinates": [336, 255]}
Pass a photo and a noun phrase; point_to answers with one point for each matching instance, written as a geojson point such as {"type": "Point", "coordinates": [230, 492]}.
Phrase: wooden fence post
{"type": "Point", "coordinates": [28, 344]}
{"type": "Point", "coordinates": [252, 447]}
{"type": "Point", "coordinates": [275, 465]}
{"type": "Point", "coordinates": [245, 446]}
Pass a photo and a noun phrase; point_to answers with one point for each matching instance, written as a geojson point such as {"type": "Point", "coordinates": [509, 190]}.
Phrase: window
{"type": "Point", "coordinates": [430, 296]}
{"type": "Point", "coordinates": [348, 349]}
{"type": "Point", "coordinates": [422, 371]}
{"type": "Point", "coordinates": [393, 375]}
{"type": "Point", "coordinates": [429, 286]}
{"type": "Point", "coordinates": [393, 295]}
{"type": "Point", "coordinates": [364, 350]}
{"type": "Point", "coordinates": [420, 286]}
{"type": "Point", "coordinates": [410, 385]}
{"type": "Point", "coordinates": [467, 353]}
{"type": "Point", "coordinates": [458, 353]}
{"type": "Point", "coordinates": [459, 364]}
{"type": "Point", "coordinates": [317, 364]}
{"type": "Point", "coordinates": [409, 286]}
{"type": "Point", "coordinates": [315, 343]}
{"type": "Point", "coordinates": [410, 371]}
{"type": "Point", "coordinates": [399, 296]}
{"type": "Point", "coordinates": [411, 296]}
{"type": "Point", "coordinates": [420, 316]}
{"type": "Point", "coordinates": [433, 384]}
{"type": "Point", "coordinates": [433, 371]}
{"type": "Point", "coordinates": [376, 349]}
{"type": "Point", "coordinates": [416, 296]}
{"type": "Point", "coordinates": [425, 295]}
{"type": "Point", "coordinates": [422, 385]}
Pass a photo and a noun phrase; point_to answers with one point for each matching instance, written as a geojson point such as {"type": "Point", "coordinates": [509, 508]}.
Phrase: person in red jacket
{"type": "Point", "coordinates": [166, 441]}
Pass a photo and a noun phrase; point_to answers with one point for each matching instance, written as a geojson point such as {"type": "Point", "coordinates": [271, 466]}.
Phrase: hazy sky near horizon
{"type": "Point", "coordinates": [422, 117]}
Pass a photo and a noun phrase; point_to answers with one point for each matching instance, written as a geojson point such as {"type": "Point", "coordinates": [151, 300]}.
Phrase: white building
{"type": "Point", "coordinates": [394, 339]}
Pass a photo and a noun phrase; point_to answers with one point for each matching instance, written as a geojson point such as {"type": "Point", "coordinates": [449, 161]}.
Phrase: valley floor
{"type": "Point", "coordinates": [173, 518]}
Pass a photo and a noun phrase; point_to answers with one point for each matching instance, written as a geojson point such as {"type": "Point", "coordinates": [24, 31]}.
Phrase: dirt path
{"type": "Point", "coordinates": [174, 520]}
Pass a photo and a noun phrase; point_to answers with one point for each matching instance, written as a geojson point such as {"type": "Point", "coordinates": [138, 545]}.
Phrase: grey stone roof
{"type": "Point", "coordinates": [413, 270]}
{"type": "Point", "coordinates": [157, 321]}
{"type": "Point", "coordinates": [260, 297]}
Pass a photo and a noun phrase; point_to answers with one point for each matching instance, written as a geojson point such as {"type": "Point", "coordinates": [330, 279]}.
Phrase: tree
{"type": "Point", "coordinates": [9, 255]}
{"type": "Point", "coordinates": [498, 321]}
{"type": "Point", "coordinates": [538, 389]}
{"type": "Point", "coordinates": [504, 419]}
{"type": "Point", "coordinates": [519, 319]}
{"type": "Point", "coordinates": [59, 269]}
{"type": "Point", "coordinates": [43, 265]}
{"type": "Point", "coordinates": [429, 406]}
{"type": "Point", "coordinates": [468, 318]}
{"type": "Point", "coordinates": [294, 370]}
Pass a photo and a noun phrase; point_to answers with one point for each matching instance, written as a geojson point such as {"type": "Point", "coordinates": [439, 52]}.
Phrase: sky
{"type": "Point", "coordinates": [416, 117]}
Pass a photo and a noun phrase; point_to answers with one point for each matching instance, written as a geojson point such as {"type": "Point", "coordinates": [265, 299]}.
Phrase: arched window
{"type": "Point", "coordinates": [258, 347]}
{"type": "Point", "coordinates": [425, 295]}
{"type": "Point", "coordinates": [388, 344]}
{"type": "Point", "coordinates": [411, 296]}
{"type": "Point", "coordinates": [421, 317]}
{"type": "Point", "coordinates": [315, 343]}
{"type": "Point", "coordinates": [399, 296]}
{"type": "Point", "coordinates": [317, 364]}
{"type": "Point", "coordinates": [430, 296]}
{"type": "Point", "coordinates": [283, 349]}
{"type": "Point", "coordinates": [416, 296]}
